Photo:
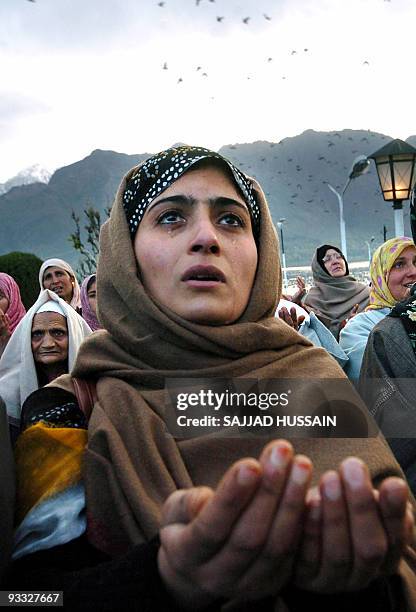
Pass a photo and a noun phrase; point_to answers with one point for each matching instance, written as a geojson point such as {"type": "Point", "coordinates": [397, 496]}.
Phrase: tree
{"type": "Point", "coordinates": [88, 249]}
{"type": "Point", "coordinates": [24, 268]}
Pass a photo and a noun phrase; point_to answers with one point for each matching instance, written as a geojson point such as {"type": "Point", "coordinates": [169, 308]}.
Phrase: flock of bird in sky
{"type": "Point", "coordinates": [245, 21]}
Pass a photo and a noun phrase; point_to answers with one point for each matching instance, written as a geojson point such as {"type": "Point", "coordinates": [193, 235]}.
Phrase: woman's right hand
{"type": "Point", "coordinates": [237, 542]}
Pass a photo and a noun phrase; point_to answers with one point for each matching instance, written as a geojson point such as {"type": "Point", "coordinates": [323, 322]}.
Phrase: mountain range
{"type": "Point", "coordinates": [294, 174]}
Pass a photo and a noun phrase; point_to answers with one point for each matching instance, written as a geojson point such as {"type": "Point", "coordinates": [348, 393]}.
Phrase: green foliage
{"type": "Point", "coordinates": [24, 268]}
{"type": "Point", "coordinates": [89, 248]}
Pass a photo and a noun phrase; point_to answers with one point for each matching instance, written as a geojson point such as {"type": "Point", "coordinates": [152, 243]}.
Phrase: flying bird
{"type": "Point", "coordinates": [161, 4]}
{"type": "Point", "coordinates": [267, 17]}
{"type": "Point", "coordinates": [204, 74]}
{"type": "Point", "coordinates": [180, 80]}
{"type": "Point", "coordinates": [293, 52]}
{"type": "Point", "coordinates": [306, 50]}
{"type": "Point", "coordinates": [220, 19]}
{"type": "Point", "coordinates": [269, 59]}
{"type": "Point", "coordinates": [165, 66]}
{"type": "Point", "coordinates": [366, 63]}
{"type": "Point", "coordinates": [199, 68]}
{"type": "Point", "coordinates": [246, 20]}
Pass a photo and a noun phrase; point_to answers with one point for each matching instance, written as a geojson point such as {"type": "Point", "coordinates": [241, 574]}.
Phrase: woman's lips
{"type": "Point", "coordinates": [203, 284]}
{"type": "Point", "coordinates": [203, 277]}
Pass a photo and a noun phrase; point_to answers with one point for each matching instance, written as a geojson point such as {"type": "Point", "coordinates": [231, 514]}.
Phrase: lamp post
{"type": "Point", "coordinates": [369, 243]}
{"type": "Point", "coordinates": [282, 247]}
{"type": "Point", "coordinates": [359, 166]}
{"type": "Point", "coordinates": [395, 163]}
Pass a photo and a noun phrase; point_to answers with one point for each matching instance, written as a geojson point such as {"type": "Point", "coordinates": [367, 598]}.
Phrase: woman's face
{"type": "Point", "coordinates": [334, 263]}
{"type": "Point", "coordinates": [4, 302]}
{"type": "Point", "coordinates": [196, 249]}
{"type": "Point", "coordinates": [92, 296]}
{"type": "Point", "coordinates": [402, 274]}
{"type": "Point", "coordinates": [59, 281]}
{"type": "Point", "coordinates": [49, 338]}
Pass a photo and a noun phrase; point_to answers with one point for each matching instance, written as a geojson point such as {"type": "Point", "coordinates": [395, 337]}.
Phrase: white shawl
{"type": "Point", "coordinates": [18, 377]}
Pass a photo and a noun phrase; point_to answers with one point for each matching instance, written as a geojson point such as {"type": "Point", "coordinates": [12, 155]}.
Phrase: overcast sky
{"type": "Point", "coordinates": [77, 75]}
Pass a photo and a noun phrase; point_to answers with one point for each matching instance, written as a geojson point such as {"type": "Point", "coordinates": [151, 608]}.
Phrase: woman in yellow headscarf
{"type": "Point", "coordinates": [392, 272]}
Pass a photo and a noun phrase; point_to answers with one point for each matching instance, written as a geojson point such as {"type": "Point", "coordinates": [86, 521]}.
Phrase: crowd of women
{"type": "Point", "coordinates": [102, 501]}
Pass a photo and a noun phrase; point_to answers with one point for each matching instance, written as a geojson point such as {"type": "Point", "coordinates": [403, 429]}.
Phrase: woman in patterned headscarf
{"type": "Point", "coordinates": [12, 310]}
{"type": "Point", "coordinates": [388, 375]}
{"type": "Point", "coordinates": [188, 281]}
{"type": "Point", "coordinates": [392, 272]}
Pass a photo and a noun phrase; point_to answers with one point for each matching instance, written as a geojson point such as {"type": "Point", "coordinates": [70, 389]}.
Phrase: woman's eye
{"type": "Point", "coordinates": [232, 219]}
{"type": "Point", "coordinates": [58, 333]}
{"type": "Point", "coordinates": [398, 264]}
{"type": "Point", "coordinates": [171, 216]}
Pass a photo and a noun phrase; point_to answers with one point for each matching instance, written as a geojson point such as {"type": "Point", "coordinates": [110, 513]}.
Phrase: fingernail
{"type": "Point", "coordinates": [332, 487]}
{"type": "Point", "coordinates": [279, 456]}
{"type": "Point", "coordinates": [247, 475]}
{"type": "Point", "coordinates": [300, 472]}
{"type": "Point", "coordinates": [354, 472]}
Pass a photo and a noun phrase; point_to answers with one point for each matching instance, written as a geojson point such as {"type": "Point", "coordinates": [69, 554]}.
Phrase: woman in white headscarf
{"type": "Point", "coordinates": [58, 276]}
{"type": "Point", "coordinates": [25, 365]}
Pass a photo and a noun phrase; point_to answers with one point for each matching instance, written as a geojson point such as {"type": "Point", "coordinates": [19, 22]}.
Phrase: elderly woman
{"type": "Point", "coordinates": [89, 301]}
{"type": "Point", "coordinates": [42, 348]}
{"type": "Point", "coordinates": [11, 308]}
{"type": "Point", "coordinates": [335, 293]}
{"type": "Point", "coordinates": [188, 280]}
{"type": "Point", "coordinates": [58, 276]}
{"type": "Point", "coordinates": [392, 272]}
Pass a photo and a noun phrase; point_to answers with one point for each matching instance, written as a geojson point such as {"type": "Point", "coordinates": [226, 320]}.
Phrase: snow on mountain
{"type": "Point", "coordinates": [32, 174]}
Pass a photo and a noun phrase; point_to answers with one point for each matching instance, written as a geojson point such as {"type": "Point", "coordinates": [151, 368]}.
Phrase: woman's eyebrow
{"type": "Point", "coordinates": [189, 201]}
{"type": "Point", "coordinates": [224, 201]}
{"type": "Point", "coordinates": [175, 199]}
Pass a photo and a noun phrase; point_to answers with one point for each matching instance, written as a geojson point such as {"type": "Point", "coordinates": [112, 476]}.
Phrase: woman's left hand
{"type": "Point", "coordinates": [353, 534]}
{"type": "Point", "coordinates": [291, 318]}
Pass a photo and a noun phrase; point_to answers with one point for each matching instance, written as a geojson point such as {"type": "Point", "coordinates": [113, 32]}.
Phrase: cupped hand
{"type": "Point", "coordinates": [239, 541]}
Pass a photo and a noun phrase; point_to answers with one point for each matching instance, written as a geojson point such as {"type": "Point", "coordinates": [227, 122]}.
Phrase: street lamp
{"type": "Point", "coordinates": [282, 247]}
{"type": "Point", "coordinates": [359, 166]}
{"type": "Point", "coordinates": [368, 243]}
{"type": "Point", "coordinates": [395, 163]}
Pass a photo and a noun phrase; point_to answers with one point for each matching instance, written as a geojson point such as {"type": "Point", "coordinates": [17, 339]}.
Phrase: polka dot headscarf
{"type": "Point", "coordinates": [160, 171]}
{"type": "Point", "coordinates": [381, 264]}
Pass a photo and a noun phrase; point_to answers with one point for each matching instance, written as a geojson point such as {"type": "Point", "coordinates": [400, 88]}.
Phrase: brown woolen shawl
{"type": "Point", "coordinates": [131, 465]}
{"type": "Point", "coordinates": [332, 298]}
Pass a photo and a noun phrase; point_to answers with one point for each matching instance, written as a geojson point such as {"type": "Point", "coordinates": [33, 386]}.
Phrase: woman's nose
{"type": "Point", "coordinates": [205, 238]}
{"type": "Point", "coordinates": [47, 341]}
